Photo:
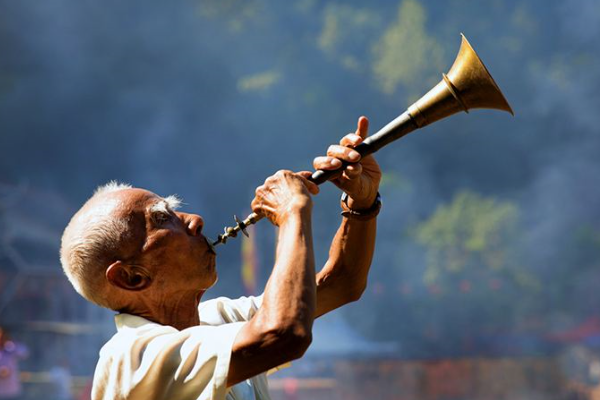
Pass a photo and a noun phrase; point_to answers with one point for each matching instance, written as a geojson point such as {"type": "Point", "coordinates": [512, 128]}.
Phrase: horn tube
{"type": "Point", "coordinates": [467, 85]}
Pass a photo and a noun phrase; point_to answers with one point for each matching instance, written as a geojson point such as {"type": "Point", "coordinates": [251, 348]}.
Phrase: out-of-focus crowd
{"type": "Point", "coordinates": [11, 385]}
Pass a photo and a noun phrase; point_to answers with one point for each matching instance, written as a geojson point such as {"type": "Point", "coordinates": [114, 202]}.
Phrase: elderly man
{"type": "Point", "coordinates": [129, 250]}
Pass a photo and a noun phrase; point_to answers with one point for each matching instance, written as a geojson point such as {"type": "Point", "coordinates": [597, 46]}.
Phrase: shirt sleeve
{"type": "Point", "coordinates": [165, 364]}
{"type": "Point", "coordinates": [223, 310]}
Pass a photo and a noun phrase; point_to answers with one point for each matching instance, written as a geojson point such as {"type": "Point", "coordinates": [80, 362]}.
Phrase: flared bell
{"type": "Point", "coordinates": [467, 85]}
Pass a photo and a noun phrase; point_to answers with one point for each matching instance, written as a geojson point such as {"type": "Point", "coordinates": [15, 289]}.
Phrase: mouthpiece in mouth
{"type": "Point", "coordinates": [211, 244]}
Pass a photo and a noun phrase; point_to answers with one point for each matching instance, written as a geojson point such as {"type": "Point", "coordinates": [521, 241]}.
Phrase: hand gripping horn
{"type": "Point", "coordinates": [467, 85]}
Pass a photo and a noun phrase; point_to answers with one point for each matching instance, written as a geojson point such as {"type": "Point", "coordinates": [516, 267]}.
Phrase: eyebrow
{"type": "Point", "coordinates": [166, 205]}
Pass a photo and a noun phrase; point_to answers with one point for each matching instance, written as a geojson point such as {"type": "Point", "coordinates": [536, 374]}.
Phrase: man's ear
{"type": "Point", "coordinates": [128, 277]}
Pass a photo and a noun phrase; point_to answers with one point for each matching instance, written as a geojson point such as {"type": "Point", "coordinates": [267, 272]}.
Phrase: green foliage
{"type": "Point", "coordinates": [345, 32]}
{"type": "Point", "coordinates": [471, 232]}
{"type": "Point", "coordinates": [258, 82]}
{"type": "Point", "coordinates": [588, 235]}
{"type": "Point", "coordinates": [407, 55]}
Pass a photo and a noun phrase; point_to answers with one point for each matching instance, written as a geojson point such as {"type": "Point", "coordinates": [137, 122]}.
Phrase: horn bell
{"type": "Point", "coordinates": [467, 85]}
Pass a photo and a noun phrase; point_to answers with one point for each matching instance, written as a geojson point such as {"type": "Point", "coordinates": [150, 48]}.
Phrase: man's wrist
{"type": "Point", "coordinates": [359, 205]}
{"type": "Point", "coordinates": [358, 211]}
{"type": "Point", "coordinates": [296, 212]}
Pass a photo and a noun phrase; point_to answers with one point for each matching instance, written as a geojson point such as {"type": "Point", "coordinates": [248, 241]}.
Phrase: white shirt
{"type": "Point", "coordinates": [148, 361]}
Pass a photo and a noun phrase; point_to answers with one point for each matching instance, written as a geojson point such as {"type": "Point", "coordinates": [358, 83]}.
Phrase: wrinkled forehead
{"type": "Point", "coordinates": [120, 203]}
{"type": "Point", "coordinates": [135, 204]}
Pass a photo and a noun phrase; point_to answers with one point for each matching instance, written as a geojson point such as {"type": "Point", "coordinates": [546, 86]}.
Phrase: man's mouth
{"type": "Point", "coordinates": [210, 245]}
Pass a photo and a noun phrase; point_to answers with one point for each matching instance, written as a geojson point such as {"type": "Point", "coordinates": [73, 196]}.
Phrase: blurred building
{"type": "Point", "coordinates": [37, 302]}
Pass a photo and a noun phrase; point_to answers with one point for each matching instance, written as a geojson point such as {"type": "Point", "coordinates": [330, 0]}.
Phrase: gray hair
{"type": "Point", "coordinates": [86, 250]}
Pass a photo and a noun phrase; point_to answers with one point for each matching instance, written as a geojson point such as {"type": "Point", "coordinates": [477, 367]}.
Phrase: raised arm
{"type": "Point", "coordinates": [344, 276]}
{"type": "Point", "coordinates": [280, 331]}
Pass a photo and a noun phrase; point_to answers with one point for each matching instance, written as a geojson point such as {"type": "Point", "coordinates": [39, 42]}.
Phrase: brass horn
{"type": "Point", "coordinates": [467, 85]}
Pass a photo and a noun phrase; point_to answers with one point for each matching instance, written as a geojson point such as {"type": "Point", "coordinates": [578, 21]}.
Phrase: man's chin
{"type": "Point", "coordinates": [215, 281]}
{"type": "Point", "coordinates": [213, 270]}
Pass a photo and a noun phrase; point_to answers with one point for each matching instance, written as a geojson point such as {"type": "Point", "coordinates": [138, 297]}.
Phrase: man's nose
{"type": "Point", "coordinates": [193, 223]}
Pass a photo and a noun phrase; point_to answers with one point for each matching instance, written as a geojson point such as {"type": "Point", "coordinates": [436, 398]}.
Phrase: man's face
{"type": "Point", "coordinates": [169, 244]}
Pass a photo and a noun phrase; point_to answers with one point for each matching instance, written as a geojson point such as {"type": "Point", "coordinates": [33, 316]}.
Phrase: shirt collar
{"type": "Point", "coordinates": [124, 321]}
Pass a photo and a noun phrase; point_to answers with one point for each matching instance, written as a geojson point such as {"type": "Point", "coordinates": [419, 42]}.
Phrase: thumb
{"type": "Point", "coordinates": [312, 187]}
{"type": "Point", "coordinates": [362, 127]}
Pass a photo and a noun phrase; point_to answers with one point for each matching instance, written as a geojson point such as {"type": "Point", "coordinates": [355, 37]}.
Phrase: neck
{"type": "Point", "coordinates": [179, 310]}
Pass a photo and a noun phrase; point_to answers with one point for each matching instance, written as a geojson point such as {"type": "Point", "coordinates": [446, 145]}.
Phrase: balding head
{"type": "Point", "coordinates": [93, 239]}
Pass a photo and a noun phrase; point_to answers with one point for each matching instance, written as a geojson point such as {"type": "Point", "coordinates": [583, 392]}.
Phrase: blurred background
{"type": "Point", "coordinates": [486, 277]}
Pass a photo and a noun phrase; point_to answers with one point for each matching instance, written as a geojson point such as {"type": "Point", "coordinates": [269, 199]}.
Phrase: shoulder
{"type": "Point", "coordinates": [146, 357]}
{"type": "Point", "coordinates": [138, 340]}
{"type": "Point", "coordinates": [134, 335]}
{"type": "Point", "coordinates": [223, 310]}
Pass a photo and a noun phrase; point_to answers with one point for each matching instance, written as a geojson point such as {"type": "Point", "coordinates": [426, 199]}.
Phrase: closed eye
{"type": "Point", "coordinates": [162, 213]}
{"type": "Point", "coordinates": [160, 218]}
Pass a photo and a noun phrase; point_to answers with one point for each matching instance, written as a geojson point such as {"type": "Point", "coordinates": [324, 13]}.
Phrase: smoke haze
{"type": "Point", "coordinates": [206, 99]}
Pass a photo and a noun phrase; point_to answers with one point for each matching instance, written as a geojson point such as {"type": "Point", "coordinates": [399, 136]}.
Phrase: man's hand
{"type": "Point", "coordinates": [282, 195]}
{"type": "Point", "coordinates": [360, 180]}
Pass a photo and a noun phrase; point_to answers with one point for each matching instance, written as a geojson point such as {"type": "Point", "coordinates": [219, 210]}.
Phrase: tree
{"type": "Point", "coordinates": [470, 233]}
{"type": "Point", "coordinates": [407, 36]}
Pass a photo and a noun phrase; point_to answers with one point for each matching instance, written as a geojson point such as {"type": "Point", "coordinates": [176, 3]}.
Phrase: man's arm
{"type": "Point", "coordinates": [280, 331]}
{"type": "Point", "coordinates": [344, 276]}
